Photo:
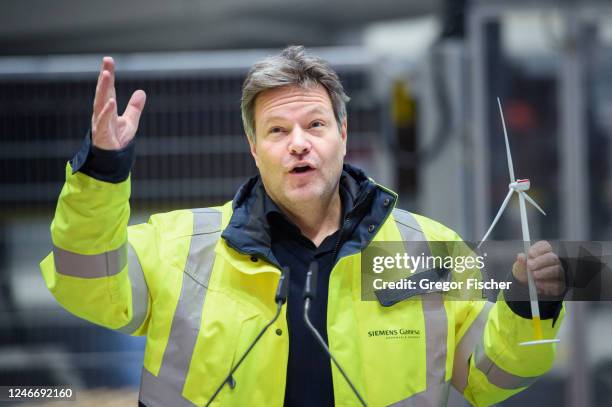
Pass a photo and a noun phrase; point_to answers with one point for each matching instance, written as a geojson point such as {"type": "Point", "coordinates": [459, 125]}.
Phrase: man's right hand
{"type": "Point", "coordinates": [108, 130]}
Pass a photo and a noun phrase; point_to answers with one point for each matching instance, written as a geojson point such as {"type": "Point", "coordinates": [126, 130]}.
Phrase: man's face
{"type": "Point", "coordinates": [298, 147]}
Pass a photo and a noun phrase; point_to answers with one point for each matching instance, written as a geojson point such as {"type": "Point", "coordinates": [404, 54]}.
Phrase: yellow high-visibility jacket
{"type": "Point", "coordinates": [199, 285]}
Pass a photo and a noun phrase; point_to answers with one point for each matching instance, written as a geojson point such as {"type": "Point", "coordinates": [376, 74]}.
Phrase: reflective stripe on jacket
{"type": "Point", "coordinates": [200, 301]}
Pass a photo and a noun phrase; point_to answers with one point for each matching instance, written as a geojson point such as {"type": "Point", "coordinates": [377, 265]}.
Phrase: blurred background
{"type": "Point", "coordinates": [423, 76]}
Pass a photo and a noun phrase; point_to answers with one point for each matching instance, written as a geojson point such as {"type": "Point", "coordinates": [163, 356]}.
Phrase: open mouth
{"type": "Point", "coordinates": [301, 169]}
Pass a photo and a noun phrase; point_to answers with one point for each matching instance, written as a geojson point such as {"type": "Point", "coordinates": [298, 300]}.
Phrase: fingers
{"type": "Point", "coordinates": [134, 108]}
{"type": "Point", "coordinates": [548, 273]}
{"type": "Point", "coordinates": [552, 284]}
{"type": "Point", "coordinates": [542, 261]}
{"type": "Point", "coordinates": [108, 130]}
{"type": "Point", "coordinates": [102, 94]}
{"type": "Point", "coordinates": [105, 88]}
{"type": "Point", "coordinates": [545, 267]}
{"type": "Point", "coordinates": [104, 129]}
{"type": "Point", "coordinates": [110, 67]}
{"type": "Point", "coordinates": [539, 248]}
{"type": "Point", "coordinates": [519, 267]}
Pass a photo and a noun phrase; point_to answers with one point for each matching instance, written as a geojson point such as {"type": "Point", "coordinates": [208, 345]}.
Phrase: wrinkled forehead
{"type": "Point", "coordinates": [293, 98]}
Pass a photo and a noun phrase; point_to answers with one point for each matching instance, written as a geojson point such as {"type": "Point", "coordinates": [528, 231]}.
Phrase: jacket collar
{"type": "Point", "coordinates": [248, 230]}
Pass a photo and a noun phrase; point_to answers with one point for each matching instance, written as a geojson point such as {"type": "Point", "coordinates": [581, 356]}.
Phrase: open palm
{"type": "Point", "coordinates": [109, 130]}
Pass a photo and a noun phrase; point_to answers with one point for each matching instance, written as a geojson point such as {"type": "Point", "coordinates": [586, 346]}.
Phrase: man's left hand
{"type": "Point", "coordinates": [546, 268]}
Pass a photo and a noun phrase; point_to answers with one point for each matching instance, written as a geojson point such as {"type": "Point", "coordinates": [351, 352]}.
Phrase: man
{"type": "Point", "coordinates": [200, 283]}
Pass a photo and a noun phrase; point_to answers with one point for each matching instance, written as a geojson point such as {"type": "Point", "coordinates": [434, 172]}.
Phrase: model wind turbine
{"type": "Point", "coordinates": [520, 186]}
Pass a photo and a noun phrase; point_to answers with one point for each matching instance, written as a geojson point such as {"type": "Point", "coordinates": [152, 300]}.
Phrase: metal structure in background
{"type": "Point", "coordinates": [574, 205]}
{"type": "Point", "coordinates": [573, 145]}
{"type": "Point", "coordinates": [153, 25]}
{"type": "Point", "coordinates": [191, 149]}
{"type": "Point", "coordinates": [442, 75]}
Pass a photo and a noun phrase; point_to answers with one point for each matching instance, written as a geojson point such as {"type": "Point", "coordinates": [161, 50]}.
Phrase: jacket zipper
{"type": "Point", "coordinates": [343, 228]}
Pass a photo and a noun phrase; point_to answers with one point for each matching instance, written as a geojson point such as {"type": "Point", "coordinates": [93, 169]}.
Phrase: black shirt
{"type": "Point", "coordinates": [309, 378]}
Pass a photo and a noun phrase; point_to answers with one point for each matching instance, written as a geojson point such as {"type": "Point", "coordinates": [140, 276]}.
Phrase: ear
{"type": "Point", "coordinates": [253, 149]}
{"type": "Point", "coordinates": [344, 135]}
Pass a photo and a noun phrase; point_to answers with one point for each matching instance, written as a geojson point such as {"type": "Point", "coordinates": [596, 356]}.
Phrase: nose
{"type": "Point", "coordinates": [299, 143]}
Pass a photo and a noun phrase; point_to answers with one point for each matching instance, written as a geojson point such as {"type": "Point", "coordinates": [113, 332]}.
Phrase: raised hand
{"type": "Point", "coordinates": [108, 130]}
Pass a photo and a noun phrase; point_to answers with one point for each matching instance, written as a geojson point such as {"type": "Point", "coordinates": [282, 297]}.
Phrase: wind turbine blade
{"type": "Point", "coordinates": [499, 213]}
{"type": "Point", "coordinates": [531, 201]}
{"type": "Point", "coordinates": [508, 155]}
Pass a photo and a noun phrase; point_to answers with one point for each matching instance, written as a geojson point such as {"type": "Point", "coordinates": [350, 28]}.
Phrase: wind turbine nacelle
{"type": "Point", "coordinates": [520, 185]}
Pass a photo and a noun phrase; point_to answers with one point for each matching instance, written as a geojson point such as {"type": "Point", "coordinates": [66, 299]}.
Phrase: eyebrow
{"type": "Point", "coordinates": [311, 111]}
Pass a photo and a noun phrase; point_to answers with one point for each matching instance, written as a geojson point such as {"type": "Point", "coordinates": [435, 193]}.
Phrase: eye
{"type": "Point", "coordinates": [317, 123]}
{"type": "Point", "coordinates": [276, 129]}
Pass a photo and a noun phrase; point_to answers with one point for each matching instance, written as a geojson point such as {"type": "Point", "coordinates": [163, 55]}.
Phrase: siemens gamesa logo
{"type": "Point", "coordinates": [398, 333]}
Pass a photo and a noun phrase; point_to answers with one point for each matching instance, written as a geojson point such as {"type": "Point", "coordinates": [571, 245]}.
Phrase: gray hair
{"type": "Point", "coordinates": [293, 66]}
